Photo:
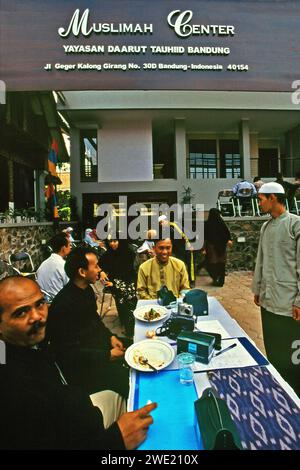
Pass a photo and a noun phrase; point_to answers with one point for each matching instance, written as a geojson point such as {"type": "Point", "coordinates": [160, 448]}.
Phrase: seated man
{"type": "Point", "coordinates": [147, 247]}
{"type": "Point", "coordinates": [161, 270]}
{"type": "Point", "coordinates": [86, 350]}
{"type": "Point", "coordinates": [68, 231]}
{"type": "Point", "coordinates": [239, 187]}
{"type": "Point", "coordinates": [244, 191]}
{"type": "Point", "coordinates": [90, 239]}
{"type": "Point", "coordinates": [289, 189]}
{"type": "Point", "coordinates": [51, 275]}
{"type": "Point", "coordinates": [39, 410]}
{"type": "Point", "coordinates": [181, 244]}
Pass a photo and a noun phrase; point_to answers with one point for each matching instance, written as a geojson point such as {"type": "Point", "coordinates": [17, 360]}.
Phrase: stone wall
{"type": "Point", "coordinates": [242, 255]}
{"type": "Point", "coordinates": [29, 237]}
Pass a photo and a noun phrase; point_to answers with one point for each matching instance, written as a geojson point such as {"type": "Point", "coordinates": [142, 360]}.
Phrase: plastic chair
{"type": "Point", "coordinates": [48, 297]}
{"type": "Point", "coordinates": [244, 201]}
{"type": "Point", "coordinates": [256, 206]}
{"type": "Point", "coordinates": [225, 202]}
{"type": "Point", "coordinates": [22, 257]}
{"type": "Point", "coordinates": [286, 204]}
{"type": "Point", "coordinates": [297, 205]}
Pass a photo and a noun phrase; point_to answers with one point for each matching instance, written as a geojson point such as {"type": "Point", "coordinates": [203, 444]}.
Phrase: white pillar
{"type": "Point", "coordinates": [76, 189]}
{"type": "Point", "coordinates": [180, 148]}
{"type": "Point", "coordinates": [39, 189]}
{"type": "Point", "coordinates": [245, 148]}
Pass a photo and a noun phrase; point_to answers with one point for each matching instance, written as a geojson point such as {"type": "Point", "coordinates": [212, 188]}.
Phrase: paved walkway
{"type": "Point", "coordinates": [235, 296]}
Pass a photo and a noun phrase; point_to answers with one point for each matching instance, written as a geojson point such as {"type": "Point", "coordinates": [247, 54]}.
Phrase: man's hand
{"type": "Point", "coordinates": [296, 313]}
{"type": "Point", "coordinates": [103, 277]}
{"type": "Point", "coordinates": [116, 343]}
{"type": "Point", "coordinates": [134, 426]}
{"type": "Point", "coordinates": [256, 300]}
{"type": "Point", "coordinates": [116, 353]}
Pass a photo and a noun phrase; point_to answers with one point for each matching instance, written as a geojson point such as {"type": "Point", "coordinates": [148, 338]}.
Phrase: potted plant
{"type": "Point", "coordinates": [31, 214]}
{"type": "Point", "coordinates": [187, 196]}
{"type": "Point", "coordinates": [8, 214]}
{"type": "Point", "coordinates": [18, 215]}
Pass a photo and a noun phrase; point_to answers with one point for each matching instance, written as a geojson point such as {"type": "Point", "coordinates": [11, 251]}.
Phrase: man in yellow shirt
{"type": "Point", "coordinates": [162, 270]}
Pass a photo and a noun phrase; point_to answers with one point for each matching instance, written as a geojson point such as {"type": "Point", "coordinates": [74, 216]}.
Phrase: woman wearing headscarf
{"type": "Point", "coordinates": [120, 276]}
{"type": "Point", "coordinates": [216, 239]}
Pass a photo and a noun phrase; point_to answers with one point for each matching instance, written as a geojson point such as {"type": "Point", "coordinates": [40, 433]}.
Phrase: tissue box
{"type": "Point", "coordinates": [199, 344]}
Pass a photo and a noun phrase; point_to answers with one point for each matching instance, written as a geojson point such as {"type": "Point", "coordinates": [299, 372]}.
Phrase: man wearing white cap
{"type": "Point", "coordinates": [276, 283]}
{"type": "Point", "coordinates": [69, 231]}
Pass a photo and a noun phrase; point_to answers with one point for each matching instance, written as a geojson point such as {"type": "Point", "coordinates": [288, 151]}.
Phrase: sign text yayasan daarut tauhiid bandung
{"type": "Point", "coordinates": [105, 46]}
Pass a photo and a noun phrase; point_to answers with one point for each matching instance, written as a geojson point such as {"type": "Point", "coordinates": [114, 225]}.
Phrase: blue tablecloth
{"type": "Point", "coordinates": [174, 425]}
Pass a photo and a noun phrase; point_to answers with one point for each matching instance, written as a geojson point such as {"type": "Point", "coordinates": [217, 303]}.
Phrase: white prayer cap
{"type": "Point", "coordinates": [162, 217]}
{"type": "Point", "coordinates": [143, 248]}
{"type": "Point", "coordinates": [271, 188]}
{"type": "Point", "coordinates": [69, 229]}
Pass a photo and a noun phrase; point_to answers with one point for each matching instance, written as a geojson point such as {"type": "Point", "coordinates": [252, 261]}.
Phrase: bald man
{"type": "Point", "coordinates": [38, 409]}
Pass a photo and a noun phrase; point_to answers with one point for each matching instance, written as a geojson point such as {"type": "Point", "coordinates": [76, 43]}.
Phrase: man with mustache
{"type": "Point", "coordinates": [39, 409]}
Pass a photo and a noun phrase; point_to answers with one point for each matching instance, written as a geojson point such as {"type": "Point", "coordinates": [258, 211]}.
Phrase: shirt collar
{"type": "Point", "coordinates": [162, 265]}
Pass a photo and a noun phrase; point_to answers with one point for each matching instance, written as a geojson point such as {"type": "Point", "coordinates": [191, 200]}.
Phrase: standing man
{"type": "Point", "coordinates": [162, 270]}
{"type": "Point", "coordinates": [51, 275]}
{"type": "Point", "coordinates": [276, 283]}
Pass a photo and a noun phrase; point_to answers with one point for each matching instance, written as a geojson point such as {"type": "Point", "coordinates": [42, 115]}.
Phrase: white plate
{"type": "Point", "coordinates": [139, 312]}
{"type": "Point", "coordinates": [158, 353]}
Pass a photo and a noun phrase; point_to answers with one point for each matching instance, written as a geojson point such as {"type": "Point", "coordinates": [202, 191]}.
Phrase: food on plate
{"type": "Point", "coordinates": [151, 315]}
{"type": "Point", "coordinates": [150, 334]}
{"type": "Point", "coordinates": [139, 359]}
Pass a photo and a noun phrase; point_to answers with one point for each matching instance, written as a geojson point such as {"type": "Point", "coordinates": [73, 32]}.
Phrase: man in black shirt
{"type": "Point", "coordinates": [89, 354]}
{"type": "Point", "coordinates": [38, 409]}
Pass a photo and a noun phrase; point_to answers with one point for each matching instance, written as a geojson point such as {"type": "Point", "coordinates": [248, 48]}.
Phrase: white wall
{"type": "Point", "coordinates": [125, 151]}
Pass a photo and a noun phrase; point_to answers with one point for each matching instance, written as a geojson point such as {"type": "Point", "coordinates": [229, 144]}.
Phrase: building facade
{"type": "Point", "coordinates": [165, 96]}
{"type": "Point", "coordinates": [150, 145]}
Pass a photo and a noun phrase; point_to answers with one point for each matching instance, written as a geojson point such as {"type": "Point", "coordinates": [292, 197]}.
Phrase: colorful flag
{"type": "Point", "coordinates": [52, 158]}
{"type": "Point", "coordinates": [50, 190]}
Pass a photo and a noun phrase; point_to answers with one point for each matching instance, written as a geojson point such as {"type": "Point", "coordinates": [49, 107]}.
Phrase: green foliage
{"type": "Point", "coordinates": [67, 206]}
{"type": "Point", "coordinates": [65, 213]}
{"type": "Point", "coordinates": [63, 198]}
{"type": "Point", "coordinates": [187, 196]}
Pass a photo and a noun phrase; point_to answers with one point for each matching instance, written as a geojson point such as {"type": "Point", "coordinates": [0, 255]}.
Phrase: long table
{"type": "Point", "coordinates": [173, 426]}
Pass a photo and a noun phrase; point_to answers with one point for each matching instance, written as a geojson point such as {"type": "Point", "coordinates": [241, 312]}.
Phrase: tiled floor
{"type": "Point", "coordinates": [235, 296]}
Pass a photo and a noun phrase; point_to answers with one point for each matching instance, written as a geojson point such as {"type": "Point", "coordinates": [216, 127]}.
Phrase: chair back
{"type": "Point", "coordinates": [20, 257]}
{"type": "Point", "coordinates": [23, 256]}
{"type": "Point", "coordinates": [225, 193]}
{"type": "Point", "coordinates": [225, 202]}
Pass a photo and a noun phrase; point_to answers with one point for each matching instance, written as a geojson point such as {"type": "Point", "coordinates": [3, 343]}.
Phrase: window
{"type": "Point", "coordinates": [88, 155]}
{"type": "Point", "coordinates": [202, 161]}
{"type": "Point", "coordinates": [268, 162]}
{"type": "Point", "coordinates": [230, 159]}
{"type": "Point", "coordinates": [23, 186]}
